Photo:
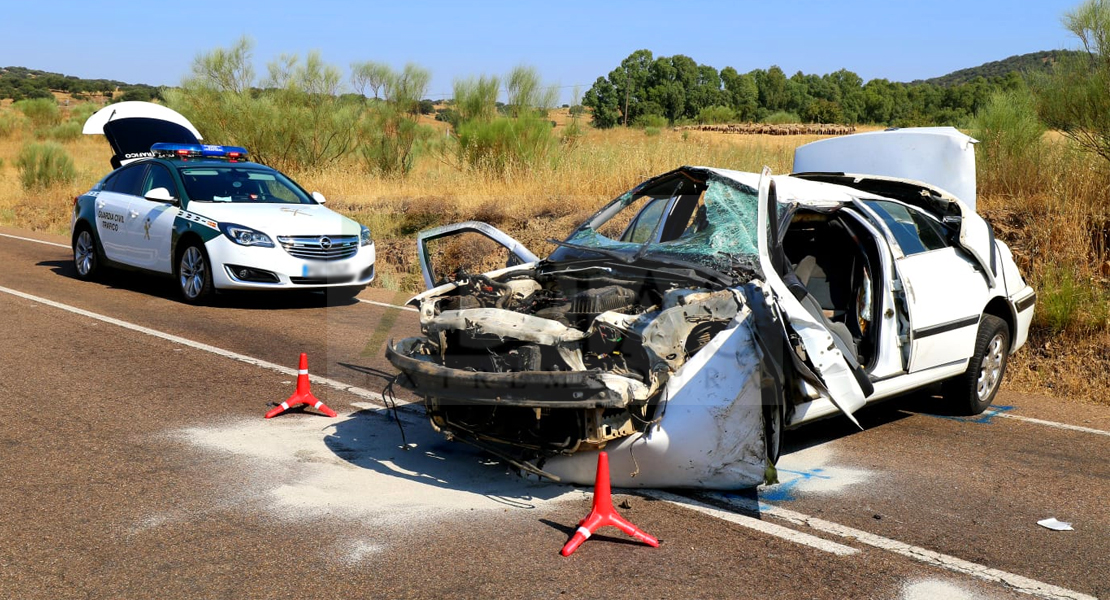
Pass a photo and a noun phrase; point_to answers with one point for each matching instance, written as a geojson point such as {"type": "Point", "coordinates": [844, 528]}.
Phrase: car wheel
{"type": "Point", "coordinates": [972, 392]}
{"type": "Point", "coordinates": [194, 274]}
{"type": "Point", "coordinates": [85, 254]}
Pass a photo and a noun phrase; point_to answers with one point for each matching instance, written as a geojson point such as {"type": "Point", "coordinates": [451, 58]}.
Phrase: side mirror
{"type": "Point", "coordinates": [317, 196]}
{"type": "Point", "coordinates": [160, 194]}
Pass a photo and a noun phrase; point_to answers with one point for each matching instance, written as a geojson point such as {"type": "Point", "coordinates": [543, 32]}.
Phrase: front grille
{"type": "Point", "coordinates": [320, 247]}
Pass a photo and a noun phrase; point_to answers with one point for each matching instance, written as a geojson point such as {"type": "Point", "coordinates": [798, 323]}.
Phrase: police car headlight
{"type": "Point", "coordinates": [245, 236]}
{"type": "Point", "coordinates": [364, 236]}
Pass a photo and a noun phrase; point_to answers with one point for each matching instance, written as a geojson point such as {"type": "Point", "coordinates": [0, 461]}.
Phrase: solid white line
{"type": "Point", "coordinates": [27, 239]}
{"type": "Point", "coordinates": [383, 304]}
{"type": "Point", "coordinates": [1051, 423]}
{"type": "Point", "coordinates": [1016, 582]}
{"type": "Point", "coordinates": [786, 533]}
{"type": "Point", "coordinates": [365, 394]}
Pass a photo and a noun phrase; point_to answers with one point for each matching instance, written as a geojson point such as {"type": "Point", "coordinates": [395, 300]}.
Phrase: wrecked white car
{"type": "Point", "coordinates": [688, 323]}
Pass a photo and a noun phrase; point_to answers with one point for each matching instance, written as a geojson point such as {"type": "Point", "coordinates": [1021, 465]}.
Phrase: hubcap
{"type": "Point", "coordinates": [192, 272]}
{"type": "Point", "coordinates": [990, 369]}
{"type": "Point", "coordinates": [84, 253]}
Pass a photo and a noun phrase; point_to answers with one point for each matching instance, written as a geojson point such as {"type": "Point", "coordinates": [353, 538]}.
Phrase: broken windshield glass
{"type": "Point", "coordinates": [711, 223]}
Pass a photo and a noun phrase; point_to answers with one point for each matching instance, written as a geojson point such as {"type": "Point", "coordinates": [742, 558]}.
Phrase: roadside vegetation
{"type": "Point", "coordinates": [500, 151]}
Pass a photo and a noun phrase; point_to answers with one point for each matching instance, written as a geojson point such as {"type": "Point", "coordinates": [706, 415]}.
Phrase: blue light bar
{"type": "Point", "coordinates": [163, 150]}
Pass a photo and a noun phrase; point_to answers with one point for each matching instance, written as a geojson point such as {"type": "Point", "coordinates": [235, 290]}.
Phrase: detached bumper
{"type": "Point", "coordinates": [529, 389]}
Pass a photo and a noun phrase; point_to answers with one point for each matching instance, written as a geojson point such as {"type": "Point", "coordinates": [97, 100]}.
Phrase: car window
{"type": "Point", "coordinates": [159, 177]}
{"type": "Point", "coordinates": [217, 183]}
{"type": "Point", "coordinates": [127, 180]}
{"type": "Point", "coordinates": [914, 231]}
{"type": "Point", "coordinates": [641, 229]}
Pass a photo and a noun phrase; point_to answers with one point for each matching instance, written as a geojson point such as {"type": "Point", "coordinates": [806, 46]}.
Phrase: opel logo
{"type": "Point", "coordinates": [325, 243]}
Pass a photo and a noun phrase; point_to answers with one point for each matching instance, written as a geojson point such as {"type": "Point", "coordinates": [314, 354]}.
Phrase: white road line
{"type": "Point", "coordinates": [1007, 415]}
{"type": "Point", "coordinates": [944, 561]}
{"type": "Point", "coordinates": [27, 239]}
{"type": "Point", "coordinates": [383, 304]}
{"type": "Point", "coordinates": [365, 394]}
{"type": "Point", "coordinates": [786, 533]}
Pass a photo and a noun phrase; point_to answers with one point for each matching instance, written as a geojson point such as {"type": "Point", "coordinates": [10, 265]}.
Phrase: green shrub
{"type": "Point", "coordinates": [645, 121]}
{"type": "Point", "coordinates": [504, 144]}
{"type": "Point", "coordinates": [782, 118]}
{"type": "Point", "coordinates": [82, 112]}
{"type": "Point", "coordinates": [1011, 149]}
{"type": "Point", "coordinates": [10, 123]}
{"type": "Point", "coordinates": [44, 164]}
{"type": "Point", "coordinates": [651, 131]}
{"type": "Point", "coordinates": [716, 114]}
{"type": "Point", "coordinates": [65, 132]}
{"type": "Point", "coordinates": [43, 112]}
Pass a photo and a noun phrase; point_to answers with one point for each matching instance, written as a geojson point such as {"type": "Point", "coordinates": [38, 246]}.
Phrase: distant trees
{"type": "Point", "coordinates": [680, 90]}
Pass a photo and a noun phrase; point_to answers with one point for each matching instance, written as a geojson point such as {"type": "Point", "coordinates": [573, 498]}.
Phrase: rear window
{"type": "Point", "coordinates": [217, 183]}
{"type": "Point", "coordinates": [127, 180]}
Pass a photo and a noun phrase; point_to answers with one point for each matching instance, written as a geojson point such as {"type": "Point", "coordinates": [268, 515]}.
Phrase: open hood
{"type": "Point", "coordinates": [133, 127]}
{"type": "Point", "coordinates": [942, 157]}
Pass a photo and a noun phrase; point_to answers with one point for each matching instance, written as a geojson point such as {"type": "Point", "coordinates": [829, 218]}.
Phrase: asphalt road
{"type": "Point", "coordinates": [137, 464]}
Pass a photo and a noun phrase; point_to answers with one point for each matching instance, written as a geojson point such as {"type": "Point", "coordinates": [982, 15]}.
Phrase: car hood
{"type": "Point", "coordinates": [279, 219]}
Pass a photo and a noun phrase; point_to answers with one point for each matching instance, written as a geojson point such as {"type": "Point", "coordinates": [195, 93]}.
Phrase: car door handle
{"type": "Point", "coordinates": [100, 204]}
{"type": "Point", "coordinates": [134, 214]}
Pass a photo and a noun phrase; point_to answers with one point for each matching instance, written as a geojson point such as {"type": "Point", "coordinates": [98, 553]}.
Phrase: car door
{"type": "Point", "coordinates": [517, 253]}
{"type": "Point", "coordinates": [943, 288]}
{"type": "Point", "coordinates": [150, 222]}
{"type": "Point", "coordinates": [829, 363]}
{"type": "Point", "coordinates": [113, 214]}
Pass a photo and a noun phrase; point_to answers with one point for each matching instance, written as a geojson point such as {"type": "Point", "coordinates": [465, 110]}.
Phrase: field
{"type": "Point", "coordinates": [1054, 214]}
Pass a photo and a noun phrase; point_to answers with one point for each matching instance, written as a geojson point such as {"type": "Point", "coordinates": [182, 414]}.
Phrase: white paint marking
{"type": "Point", "coordinates": [383, 304]}
{"type": "Point", "coordinates": [365, 394]}
{"type": "Point", "coordinates": [27, 239]}
{"type": "Point", "coordinates": [936, 559]}
{"type": "Point", "coordinates": [1053, 424]}
{"type": "Point", "coordinates": [761, 526]}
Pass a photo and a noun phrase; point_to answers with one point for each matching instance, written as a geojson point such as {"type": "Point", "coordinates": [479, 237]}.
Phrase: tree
{"type": "Point", "coordinates": [602, 99]}
{"type": "Point", "coordinates": [1075, 97]}
{"type": "Point", "coordinates": [370, 76]}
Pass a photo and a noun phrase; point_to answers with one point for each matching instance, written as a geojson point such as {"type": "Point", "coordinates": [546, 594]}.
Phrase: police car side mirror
{"type": "Point", "coordinates": [317, 196]}
{"type": "Point", "coordinates": [160, 194]}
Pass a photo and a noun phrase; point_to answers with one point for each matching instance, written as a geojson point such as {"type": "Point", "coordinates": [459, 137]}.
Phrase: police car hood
{"type": "Point", "coordinates": [278, 219]}
{"type": "Point", "coordinates": [133, 127]}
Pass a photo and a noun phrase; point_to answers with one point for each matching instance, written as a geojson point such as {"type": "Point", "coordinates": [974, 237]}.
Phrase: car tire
{"type": "Point", "coordinates": [972, 392]}
{"type": "Point", "coordinates": [193, 274]}
{"type": "Point", "coordinates": [86, 254]}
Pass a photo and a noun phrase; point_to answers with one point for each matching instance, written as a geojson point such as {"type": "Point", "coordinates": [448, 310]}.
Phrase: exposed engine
{"type": "Point", "coordinates": [543, 361]}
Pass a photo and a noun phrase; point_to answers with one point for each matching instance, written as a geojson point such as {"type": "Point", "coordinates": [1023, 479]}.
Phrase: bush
{"type": "Point", "coordinates": [505, 144]}
{"type": "Point", "coordinates": [65, 132]}
{"type": "Point", "coordinates": [651, 131]}
{"type": "Point", "coordinates": [43, 112]}
{"type": "Point", "coordinates": [1011, 148]}
{"type": "Point", "coordinates": [716, 114]}
{"type": "Point", "coordinates": [782, 118]}
{"type": "Point", "coordinates": [42, 165]}
{"type": "Point", "coordinates": [10, 123]}
{"type": "Point", "coordinates": [656, 121]}
{"type": "Point", "coordinates": [81, 112]}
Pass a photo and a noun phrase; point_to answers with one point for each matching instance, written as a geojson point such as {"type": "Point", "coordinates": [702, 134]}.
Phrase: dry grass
{"type": "Point", "coordinates": [1058, 225]}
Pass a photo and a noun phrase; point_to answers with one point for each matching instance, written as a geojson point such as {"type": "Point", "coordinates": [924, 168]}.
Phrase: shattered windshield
{"type": "Point", "coordinates": [709, 221]}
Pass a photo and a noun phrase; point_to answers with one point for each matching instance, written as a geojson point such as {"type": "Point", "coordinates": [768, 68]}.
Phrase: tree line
{"type": "Point", "coordinates": [647, 90]}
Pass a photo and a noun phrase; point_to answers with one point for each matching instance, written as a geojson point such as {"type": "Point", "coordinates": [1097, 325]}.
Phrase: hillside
{"type": "Point", "coordinates": [1022, 63]}
{"type": "Point", "coordinates": [20, 82]}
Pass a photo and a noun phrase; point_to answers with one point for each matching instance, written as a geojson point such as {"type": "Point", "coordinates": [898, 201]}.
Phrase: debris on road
{"type": "Point", "coordinates": [1055, 525]}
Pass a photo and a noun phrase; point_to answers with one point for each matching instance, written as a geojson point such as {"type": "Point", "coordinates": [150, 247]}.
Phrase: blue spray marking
{"type": "Point", "coordinates": [987, 417]}
{"type": "Point", "coordinates": [784, 492]}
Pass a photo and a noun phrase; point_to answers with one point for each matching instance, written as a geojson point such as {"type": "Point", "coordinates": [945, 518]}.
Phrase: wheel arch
{"type": "Point", "coordinates": [182, 241]}
{"type": "Point", "coordinates": [1001, 308]}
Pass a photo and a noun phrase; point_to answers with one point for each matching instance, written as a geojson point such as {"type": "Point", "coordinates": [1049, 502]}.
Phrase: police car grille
{"type": "Point", "coordinates": [313, 247]}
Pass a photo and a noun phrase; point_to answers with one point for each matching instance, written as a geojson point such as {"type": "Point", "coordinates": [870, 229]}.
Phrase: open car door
{"type": "Point", "coordinates": [133, 127]}
{"type": "Point", "coordinates": [517, 254]}
{"type": "Point", "coordinates": [829, 363]}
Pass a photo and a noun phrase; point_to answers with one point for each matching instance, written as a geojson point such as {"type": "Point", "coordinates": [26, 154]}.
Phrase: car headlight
{"type": "Point", "coordinates": [245, 236]}
{"type": "Point", "coordinates": [364, 236]}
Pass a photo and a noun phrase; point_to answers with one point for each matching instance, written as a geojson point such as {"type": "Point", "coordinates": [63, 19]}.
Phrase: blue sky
{"type": "Point", "coordinates": [569, 41]}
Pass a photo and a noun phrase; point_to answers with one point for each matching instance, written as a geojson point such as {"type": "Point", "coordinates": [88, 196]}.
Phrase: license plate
{"type": "Point", "coordinates": [326, 269]}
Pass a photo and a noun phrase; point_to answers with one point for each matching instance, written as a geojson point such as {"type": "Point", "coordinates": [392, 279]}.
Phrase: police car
{"type": "Point", "coordinates": [206, 216]}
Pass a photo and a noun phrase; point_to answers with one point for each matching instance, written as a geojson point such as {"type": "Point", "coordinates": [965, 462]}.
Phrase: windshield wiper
{"type": "Point", "coordinates": [621, 256]}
